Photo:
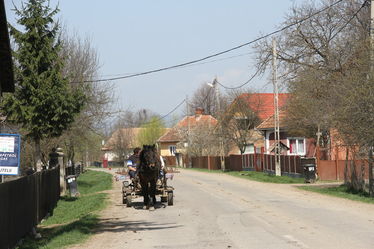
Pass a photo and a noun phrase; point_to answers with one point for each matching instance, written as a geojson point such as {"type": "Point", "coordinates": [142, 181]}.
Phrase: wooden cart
{"type": "Point", "coordinates": [131, 189]}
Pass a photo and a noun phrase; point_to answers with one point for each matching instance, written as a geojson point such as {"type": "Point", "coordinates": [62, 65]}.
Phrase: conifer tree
{"type": "Point", "coordinates": [44, 105]}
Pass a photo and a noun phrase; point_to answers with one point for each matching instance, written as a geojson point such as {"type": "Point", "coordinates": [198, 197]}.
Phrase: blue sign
{"type": "Point", "coordinates": [10, 148]}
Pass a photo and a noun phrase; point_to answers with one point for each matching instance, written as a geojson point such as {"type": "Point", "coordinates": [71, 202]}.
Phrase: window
{"type": "Point", "coordinates": [249, 149]}
{"type": "Point", "coordinates": [297, 146]}
{"type": "Point", "coordinates": [172, 149]}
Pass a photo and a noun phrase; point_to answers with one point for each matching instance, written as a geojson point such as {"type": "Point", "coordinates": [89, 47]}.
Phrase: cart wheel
{"type": "Point", "coordinates": [128, 201]}
{"type": "Point", "coordinates": [170, 199]}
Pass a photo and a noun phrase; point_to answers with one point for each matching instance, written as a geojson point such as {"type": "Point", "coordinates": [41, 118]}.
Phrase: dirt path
{"type": "Point", "coordinates": [220, 211]}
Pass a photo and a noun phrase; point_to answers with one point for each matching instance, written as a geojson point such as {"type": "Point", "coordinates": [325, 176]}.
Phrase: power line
{"type": "Point", "coordinates": [196, 64]}
{"type": "Point", "coordinates": [351, 18]}
{"type": "Point", "coordinates": [219, 53]}
{"type": "Point", "coordinates": [245, 83]}
{"type": "Point", "coordinates": [166, 115]}
{"type": "Point", "coordinates": [340, 30]}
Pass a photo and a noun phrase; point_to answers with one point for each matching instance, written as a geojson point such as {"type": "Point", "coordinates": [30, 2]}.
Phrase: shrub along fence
{"type": "Point", "coordinates": [25, 202]}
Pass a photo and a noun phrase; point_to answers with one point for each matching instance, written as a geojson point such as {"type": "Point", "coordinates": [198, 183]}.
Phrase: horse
{"type": "Point", "coordinates": [149, 169]}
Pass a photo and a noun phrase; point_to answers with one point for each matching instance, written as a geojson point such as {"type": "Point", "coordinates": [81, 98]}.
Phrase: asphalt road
{"type": "Point", "coordinates": [220, 211]}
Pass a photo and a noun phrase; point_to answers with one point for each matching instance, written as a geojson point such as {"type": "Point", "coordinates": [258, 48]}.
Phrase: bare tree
{"type": "Point", "coordinates": [82, 64]}
{"type": "Point", "coordinates": [240, 119]}
{"type": "Point", "coordinates": [324, 62]}
{"type": "Point", "coordinates": [205, 97]}
{"type": "Point", "coordinates": [130, 118]}
{"type": "Point", "coordinates": [202, 139]}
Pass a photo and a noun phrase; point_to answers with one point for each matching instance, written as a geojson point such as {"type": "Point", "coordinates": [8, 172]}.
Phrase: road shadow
{"type": "Point", "coordinates": [117, 226]}
{"type": "Point", "coordinates": [138, 205]}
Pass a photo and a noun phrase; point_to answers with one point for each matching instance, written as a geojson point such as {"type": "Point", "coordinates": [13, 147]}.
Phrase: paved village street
{"type": "Point", "coordinates": [220, 211]}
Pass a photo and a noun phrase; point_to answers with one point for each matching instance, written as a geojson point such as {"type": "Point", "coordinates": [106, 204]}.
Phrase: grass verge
{"type": "Point", "coordinates": [74, 219]}
{"type": "Point", "coordinates": [340, 191]}
{"type": "Point", "coordinates": [258, 176]}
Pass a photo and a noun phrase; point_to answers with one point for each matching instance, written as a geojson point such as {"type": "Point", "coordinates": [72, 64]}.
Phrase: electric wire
{"type": "Point", "coordinates": [245, 83]}
{"type": "Point", "coordinates": [350, 19]}
{"type": "Point", "coordinates": [166, 115]}
{"type": "Point", "coordinates": [219, 53]}
{"type": "Point", "coordinates": [340, 30]}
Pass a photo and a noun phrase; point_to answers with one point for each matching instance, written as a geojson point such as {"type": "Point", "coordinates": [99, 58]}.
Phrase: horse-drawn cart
{"type": "Point", "coordinates": [131, 189]}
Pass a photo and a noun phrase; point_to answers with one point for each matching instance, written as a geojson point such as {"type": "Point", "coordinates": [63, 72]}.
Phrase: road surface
{"type": "Point", "coordinates": [219, 211]}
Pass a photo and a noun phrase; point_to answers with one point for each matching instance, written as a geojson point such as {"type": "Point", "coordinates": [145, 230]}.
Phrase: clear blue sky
{"type": "Point", "coordinates": [135, 36]}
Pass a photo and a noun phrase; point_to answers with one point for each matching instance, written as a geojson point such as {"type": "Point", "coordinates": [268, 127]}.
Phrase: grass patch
{"type": "Point", "coordinates": [74, 219]}
{"type": "Point", "coordinates": [264, 177]}
{"type": "Point", "coordinates": [65, 235]}
{"type": "Point", "coordinates": [94, 181]}
{"type": "Point", "coordinates": [340, 191]}
{"type": "Point", "coordinates": [70, 209]}
{"type": "Point", "coordinates": [257, 176]}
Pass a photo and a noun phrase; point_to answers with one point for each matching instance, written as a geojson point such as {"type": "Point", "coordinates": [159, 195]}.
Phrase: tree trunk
{"type": "Point", "coordinates": [38, 161]}
{"type": "Point", "coordinates": [346, 182]}
{"type": "Point", "coordinates": [371, 180]}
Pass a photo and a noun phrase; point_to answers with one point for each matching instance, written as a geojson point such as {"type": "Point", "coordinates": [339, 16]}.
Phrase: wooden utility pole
{"type": "Point", "coordinates": [371, 173]}
{"type": "Point", "coordinates": [276, 113]}
{"type": "Point", "coordinates": [188, 133]}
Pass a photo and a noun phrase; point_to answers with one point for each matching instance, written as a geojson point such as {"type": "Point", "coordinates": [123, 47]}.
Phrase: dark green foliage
{"type": "Point", "coordinates": [43, 104]}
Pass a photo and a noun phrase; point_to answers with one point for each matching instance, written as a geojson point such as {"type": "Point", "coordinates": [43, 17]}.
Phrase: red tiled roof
{"type": "Point", "coordinates": [173, 134]}
{"type": "Point", "coordinates": [269, 122]}
{"type": "Point", "coordinates": [263, 103]}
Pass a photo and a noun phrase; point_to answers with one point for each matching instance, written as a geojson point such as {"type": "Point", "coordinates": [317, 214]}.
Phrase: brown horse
{"type": "Point", "coordinates": [149, 169]}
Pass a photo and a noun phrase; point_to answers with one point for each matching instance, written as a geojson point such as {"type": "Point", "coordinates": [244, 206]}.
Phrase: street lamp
{"type": "Point", "coordinates": [214, 85]}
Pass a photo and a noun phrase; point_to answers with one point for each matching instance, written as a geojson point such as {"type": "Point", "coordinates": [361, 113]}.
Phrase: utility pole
{"type": "Point", "coordinates": [371, 173]}
{"type": "Point", "coordinates": [276, 112]}
{"type": "Point", "coordinates": [188, 133]}
{"type": "Point", "coordinates": [221, 150]}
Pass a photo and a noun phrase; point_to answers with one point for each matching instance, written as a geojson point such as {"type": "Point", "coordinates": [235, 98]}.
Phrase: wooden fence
{"type": "Point", "coordinates": [290, 165]}
{"type": "Point", "coordinates": [334, 169]}
{"type": "Point", "coordinates": [25, 202]}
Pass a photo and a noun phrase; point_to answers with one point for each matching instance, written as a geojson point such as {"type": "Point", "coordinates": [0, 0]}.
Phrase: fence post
{"type": "Point", "coordinates": [336, 163]}
{"type": "Point", "coordinates": [62, 171]}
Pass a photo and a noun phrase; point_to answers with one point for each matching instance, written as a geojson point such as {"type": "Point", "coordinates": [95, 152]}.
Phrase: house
{"type": "Point", "coordinates": [174, 141]}
{"type": "Point", "coordinates": [262, 104]}
{"type": "Point", "coordinates": [124, 139]}
{"type": "Point", "coordinates": [290, 145]}
{"type": "Point", "coordinates": [6, 65]}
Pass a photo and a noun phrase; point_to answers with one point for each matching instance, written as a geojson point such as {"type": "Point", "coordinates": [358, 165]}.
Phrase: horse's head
{"type": "Point", "coordinates": [149, 157]}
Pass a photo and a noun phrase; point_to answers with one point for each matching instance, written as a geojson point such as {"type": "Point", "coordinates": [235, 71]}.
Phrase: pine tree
{"type": "Point", "coordinates": [44, 104]}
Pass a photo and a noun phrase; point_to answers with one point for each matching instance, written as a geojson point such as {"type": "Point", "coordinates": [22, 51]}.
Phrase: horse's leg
{"type": "Point", "coordinates": [153, 190]}
{"type": "Point", "coordinates": [144, 185]}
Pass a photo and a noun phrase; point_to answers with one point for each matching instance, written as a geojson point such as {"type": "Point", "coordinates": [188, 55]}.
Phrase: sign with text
{"type": "Point", "coordinates": [10, 147]}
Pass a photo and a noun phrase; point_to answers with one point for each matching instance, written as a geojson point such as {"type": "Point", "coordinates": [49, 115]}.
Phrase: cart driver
{"type": "Point", "coordinates": [133, 162]}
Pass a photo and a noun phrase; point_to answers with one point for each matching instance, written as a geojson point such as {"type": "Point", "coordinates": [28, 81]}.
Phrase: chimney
{"type": "Point", "coordinates": [198, 112]}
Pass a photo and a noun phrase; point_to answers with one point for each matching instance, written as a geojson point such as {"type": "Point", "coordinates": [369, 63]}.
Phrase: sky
{"type": "Point", "coordinates": [137, 36]}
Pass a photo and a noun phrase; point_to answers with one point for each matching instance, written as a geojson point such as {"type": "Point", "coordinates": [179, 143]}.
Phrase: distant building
{"type": "Point", "coordinates": [174, 139]}
{"type": "Point", "coordinates": [125, 137]}
{"type": "Point", "coordinates": [263, 105]}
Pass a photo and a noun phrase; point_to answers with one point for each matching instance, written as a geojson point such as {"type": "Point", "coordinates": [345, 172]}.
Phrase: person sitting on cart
{"type": "Point", "coordinates": [133, 162]}
{"type": "Point", "coordinates": [162, 167]}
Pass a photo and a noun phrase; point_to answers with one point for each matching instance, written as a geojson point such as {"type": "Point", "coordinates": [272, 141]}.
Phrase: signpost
{"type": "Point", "coordinates": [10, 146]}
